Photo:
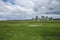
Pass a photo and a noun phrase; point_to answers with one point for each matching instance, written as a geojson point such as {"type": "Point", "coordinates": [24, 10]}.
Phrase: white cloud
{"type": "Point", "coordinates": [21, 9]}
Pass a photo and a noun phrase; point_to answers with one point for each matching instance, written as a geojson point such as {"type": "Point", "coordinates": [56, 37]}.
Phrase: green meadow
{"type": "Point", "coordinates": [30, 30]}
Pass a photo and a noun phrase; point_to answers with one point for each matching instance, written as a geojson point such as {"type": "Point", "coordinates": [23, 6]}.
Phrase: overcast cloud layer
{"type": "Point", "coordinates": [26, 9]}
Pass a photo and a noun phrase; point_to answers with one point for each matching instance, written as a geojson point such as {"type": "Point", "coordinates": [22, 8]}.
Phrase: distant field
{"type": "Point", "coordinates": [30, 30]}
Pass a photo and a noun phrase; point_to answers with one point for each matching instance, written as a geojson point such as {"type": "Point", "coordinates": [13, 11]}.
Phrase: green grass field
{"type": "Point", "coordinates": [30, 30]}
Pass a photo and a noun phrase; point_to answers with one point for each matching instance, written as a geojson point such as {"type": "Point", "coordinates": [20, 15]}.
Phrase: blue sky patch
{"type": "Point", "coordinates": [10, 1]}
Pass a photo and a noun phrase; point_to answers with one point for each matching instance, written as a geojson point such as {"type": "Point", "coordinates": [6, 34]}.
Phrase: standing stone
{"type": "Point", "coordinates": [42, 18]}
{"type": "Point", "coordinates": [51, 18]}
{"type": "Point", "coordinates": [36, 18]}
{"type": "Point", "coordinates": [47, 18]}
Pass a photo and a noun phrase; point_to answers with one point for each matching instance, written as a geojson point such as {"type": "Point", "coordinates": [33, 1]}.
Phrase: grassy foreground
{"type": "Point", "coordinates": [29, 30]}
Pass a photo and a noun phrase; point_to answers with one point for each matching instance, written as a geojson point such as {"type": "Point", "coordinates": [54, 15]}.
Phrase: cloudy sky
{"type": "Point", "coordinates": [26, 9]}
